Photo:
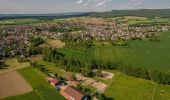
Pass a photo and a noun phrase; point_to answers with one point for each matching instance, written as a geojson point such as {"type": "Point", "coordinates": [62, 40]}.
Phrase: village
{"type": "Point", "coordinates": [14, 41]}
{"type": "Point", "coordinates": [80, 59]}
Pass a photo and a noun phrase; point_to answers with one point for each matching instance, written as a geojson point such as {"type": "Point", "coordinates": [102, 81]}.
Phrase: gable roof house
{"type": "Point", "coordinates": [53, 81]}
{"type": "Point", "coordinates": [71, 93]}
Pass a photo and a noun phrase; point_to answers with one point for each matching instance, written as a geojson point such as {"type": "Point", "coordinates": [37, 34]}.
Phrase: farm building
{"type": "Point", "coordinates": [71, 93]}
{"type": "Point", "coordinates": [53, 81]}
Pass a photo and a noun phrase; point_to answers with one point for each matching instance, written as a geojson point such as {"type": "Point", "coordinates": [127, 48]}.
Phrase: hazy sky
{"type": "Point", "coordinates": [62, 6]}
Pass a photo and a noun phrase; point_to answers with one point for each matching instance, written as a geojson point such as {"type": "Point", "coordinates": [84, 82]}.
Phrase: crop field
{"type": "Point", "coordinates": [124, 87]}
{"type": "Point", "coordinates": [42, 89]}
{"type": "Point", "coordinates": [137, 53]}
{"type": "Point", "coordinates": [11, 84]}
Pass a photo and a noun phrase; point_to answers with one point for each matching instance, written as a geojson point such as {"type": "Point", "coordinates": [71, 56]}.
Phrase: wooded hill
{"type": "Point", "coordinates": [165, 13]}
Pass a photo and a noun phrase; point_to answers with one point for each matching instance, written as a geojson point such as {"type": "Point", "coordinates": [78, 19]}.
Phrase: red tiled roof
{"type": "Point", "coordinates": [72, 92]}
{"type": "Point", "coordinates": [55, 81]}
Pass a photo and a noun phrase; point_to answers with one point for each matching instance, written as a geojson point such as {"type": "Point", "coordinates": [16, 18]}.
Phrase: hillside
{"type": "Point", "coordinates": [140, 12]}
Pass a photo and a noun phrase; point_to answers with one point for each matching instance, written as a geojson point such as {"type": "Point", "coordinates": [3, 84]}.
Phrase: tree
{"type": "Point", "coordinates": [37, 41]}
{"type": "Point", "coordinates": [100, 96]}
{"type": "Point", "coordinates": [1, 64]}
{"type": "Point", "coordinates": [99, 72]}
{"type": "Point", "coordinates": [74, 76]}
{"type": "Point", "coordinates": [56, 75]}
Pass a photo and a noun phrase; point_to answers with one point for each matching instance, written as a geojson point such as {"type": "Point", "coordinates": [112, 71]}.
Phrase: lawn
{"type": "Point", "coordinates": [137, 53]}
{"type": "Point", "coordinates": [124, 87]}
{"type": "Point", "coordinates": [42, 89]}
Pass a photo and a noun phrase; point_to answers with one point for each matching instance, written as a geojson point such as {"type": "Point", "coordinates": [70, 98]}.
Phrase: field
{"type": "Point", "coordinates": [18, 22]}
{"type": "Point", "coordinates": [12, 84]}
{"type": "Point", "coordinates": [13, 64]}
{"type": "Point", "coordinates": [42, 89]}
{"type": "Point", "coordinates": [73, 53]}
{"type": "Point", "coordinates": [133, 20]}
{"type": "Point", "coordinates": [56, 43]}
{"type": "Point", "coordinates": [137, 53]}
{"type": "Point", "coordinates": [28, 96]}
{"type": "Point", "coordinates": [125, 87]}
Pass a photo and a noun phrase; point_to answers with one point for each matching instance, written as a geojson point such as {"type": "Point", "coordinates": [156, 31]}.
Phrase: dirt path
{"type": "Point", "coordinates": [153, 95]}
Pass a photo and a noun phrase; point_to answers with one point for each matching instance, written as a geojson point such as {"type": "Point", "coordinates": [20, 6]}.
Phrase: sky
{"type": "Point", "coordinates": [65, 6]}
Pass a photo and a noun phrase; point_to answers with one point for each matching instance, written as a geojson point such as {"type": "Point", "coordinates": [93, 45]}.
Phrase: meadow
{"type": "Point", "coordinates": [123, 87]}
{"type": "Point", "coordinates": [137, 53]}
{"type": "Point", "coordinates": [42, 90]}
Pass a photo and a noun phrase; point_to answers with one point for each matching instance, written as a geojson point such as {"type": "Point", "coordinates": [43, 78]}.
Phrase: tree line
{"type": "Point", "coordinates": [87, 66]}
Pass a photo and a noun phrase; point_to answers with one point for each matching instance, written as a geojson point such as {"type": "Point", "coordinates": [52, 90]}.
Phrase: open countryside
{"type": "Point", "coordinates": [84, 50]}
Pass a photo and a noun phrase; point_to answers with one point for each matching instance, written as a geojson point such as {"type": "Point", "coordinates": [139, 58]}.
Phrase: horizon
{"type": "Point", "coordinates": [69, 6]}
{"type": "Point", "coordinates": [79, 12]}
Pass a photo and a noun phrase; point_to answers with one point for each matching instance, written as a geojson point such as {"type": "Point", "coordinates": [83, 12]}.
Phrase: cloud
{"type": "Point", "coordinates": [100, 4]}
{"type": "Point", "coordinates": [79, 2]}
{"type": "Point", "coordinates": [136, 2]}
{"type": "Point", "coordinates": [95, 3]}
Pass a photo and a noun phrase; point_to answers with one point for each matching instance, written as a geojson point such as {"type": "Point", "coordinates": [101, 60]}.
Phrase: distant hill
{"type": "Point", "coordinates": [140, 12]}
{"type": "Point", "coordinates": [114, 13]}
{"type": "Point", "coordinates": [42, 16]}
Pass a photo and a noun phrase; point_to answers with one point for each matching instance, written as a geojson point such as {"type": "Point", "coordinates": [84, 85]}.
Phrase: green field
{"type": "Point", "coordinates": [137, 53]}
{"type": "Point", "coordinates": [52, 67]}
{"type": "Point", "coordinates": [124, 87]}
{"type": "Point", "coordinates": [73, 53]}
{"type": "Point", "coordinates": [42, 89]}
{"type": "Point", "coordinates": [133, 20]}
{"type": "Point", "coordinates": [28, 96]}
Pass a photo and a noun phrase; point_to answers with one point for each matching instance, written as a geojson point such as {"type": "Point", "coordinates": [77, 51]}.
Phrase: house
{"type": "Point", "coordinates": [53, 81]}
{"type": "Point", "coordinates": [71, 93]}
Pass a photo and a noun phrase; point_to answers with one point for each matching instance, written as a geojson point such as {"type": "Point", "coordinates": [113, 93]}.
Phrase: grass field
{"type": "Point", "coordinates": [42, 89]}
{"type": "Point", "coordinates": [137, 53]}
{"type": "Point", "coordinates": [124, 87]}
{"type": "Point", "coordinates": [13, 64]}
{"type": "Point", "coordinates": [28, 96]}
{"type": "Point", "coordinates": [73, 53]}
